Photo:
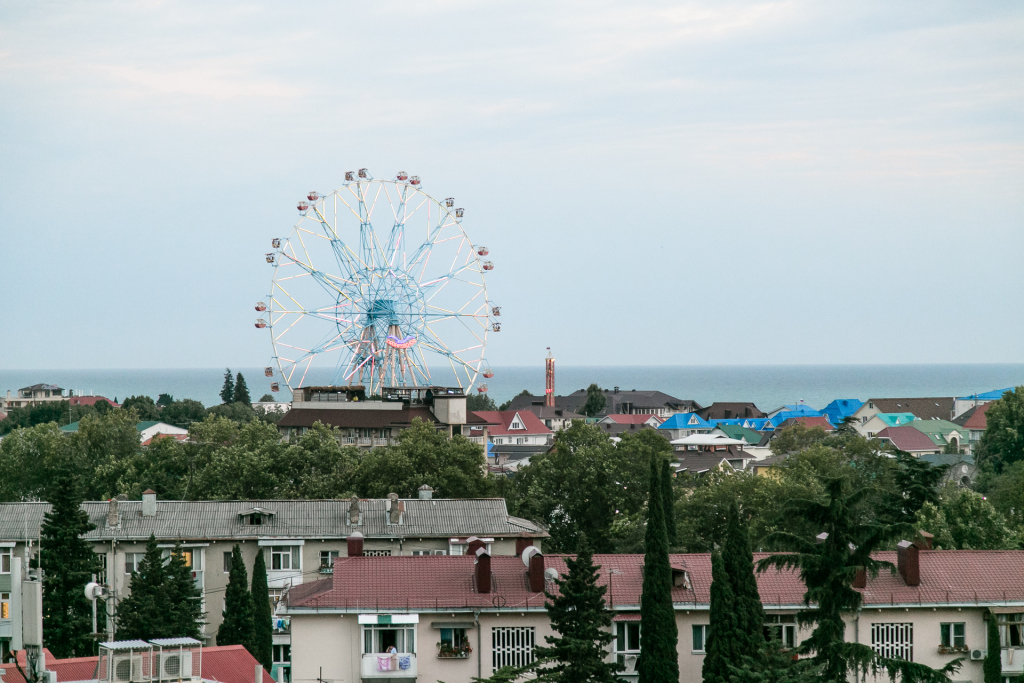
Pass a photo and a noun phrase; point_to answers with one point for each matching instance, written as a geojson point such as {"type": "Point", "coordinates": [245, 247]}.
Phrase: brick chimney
{"type": "Point", "coordinates": [522, 543]}
{"type": "Point", "coordinates": [923, 540]}
{"type": "Point", "coordinates": [474, 545]}
{"type": "Point", "coordinates": [355, 545]}
{"type": "Point", "coordinates": [535, 565]}
{"type": "Point", "coordinates": [149, 503]}
{"type": "Point", "coordinates": [860, 579]}
{"type": "Point", "coordinates": [907, 563]}
{"type": "Point", "coordinates": [113, 514]}
{"type": "Point", "coordinates": [483, 571]}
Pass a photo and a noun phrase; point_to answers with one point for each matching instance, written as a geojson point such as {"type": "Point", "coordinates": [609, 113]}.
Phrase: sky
{"type": "Point", "coordinates": [658, 183]}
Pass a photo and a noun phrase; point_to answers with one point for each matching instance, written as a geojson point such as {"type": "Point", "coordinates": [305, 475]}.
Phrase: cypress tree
{"type": "Point", "coordinates": [263, 630]}
{"type": "Point", "coordinates": [739, 565]}
{"type": "Point", "coordinates": [722, 617]}
{"type": "Point", "coordinates": [658, 662]}
{"type": "Point", "coordinates": [237, 627]}
{"type": "Point", "coordinates": [184, 598]}
{"type": "Point", "coordinates": [580, 617]}
{"type": "Point", "coordinates": [227, 392]}
{"type": "Point", "coordinates": [144, 614]}
{"type": "Point", "coordinates": [668, 499]}
{"type": "Point", "coordinates": [68, 563]}
{"type": "Point", "coordinates": [241, 392]}
{"type": "Point", "coordinates": [993, 666]}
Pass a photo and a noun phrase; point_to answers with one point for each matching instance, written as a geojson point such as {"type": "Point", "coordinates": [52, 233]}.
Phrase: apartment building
{"type": "Point", "coordinates": [458, 618]}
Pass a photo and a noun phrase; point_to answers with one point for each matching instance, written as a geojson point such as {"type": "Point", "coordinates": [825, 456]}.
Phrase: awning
{"type": "Point", "coordinates": [626, 616]}
{"type": "Point", "coordinates": [452, 624]}
{"type": "Point", "coordinates": [1007, 610]}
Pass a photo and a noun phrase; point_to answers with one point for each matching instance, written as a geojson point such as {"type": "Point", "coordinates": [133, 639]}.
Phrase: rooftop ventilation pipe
{"type": "Point", "coordinates": [907, 563]}
{"type": "Point", "coordinates": [534, 561]}
{"type": "Point", "coordinates": [483, 571]}
{"type": "Point", "coordinates": [355, 545]}
{"type": "Point", "coordinates": [149, 503]}
{"type": "Point", "coordinates": [474, 545]}
{"type": "Point", "coordinates": [113, 514]}
{"type": "Point", "coordinates": [426, 493]}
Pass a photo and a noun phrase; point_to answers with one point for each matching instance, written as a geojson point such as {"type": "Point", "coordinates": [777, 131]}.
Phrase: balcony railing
{"type": "Point", "coordinates": [6, 628]}
{"type": "Point", "coordinates": [1012, 660]}
{"type": "Point", "coordinates": [371, 666]}
{"type": "Point", "coordinates": [477, 439]}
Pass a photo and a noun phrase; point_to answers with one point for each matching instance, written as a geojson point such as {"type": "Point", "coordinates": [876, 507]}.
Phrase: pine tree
{"type": "Point", "coordinates": [237, 627]}
{"type": "Point", "coordinates": [144, 613]}
{"type": "Point", "coordinates": [241, 392]}
{"type": "Point", "coordinates": [68, 563]}
{"type": "Point", "coordinates": [658, 662]}
{"type": "Point", "coordinates": [184, 598]}
{"type": "Point", "coordinates": [263, 630]}
{"type": "Point", "coordinates": [581, 618]}
{"type": "Point", "coordinates": [739, 565]}
{"type": "Point", "coordinates": [227, 392]}
{"type": "Point", "coordinates": [722, 618]}
{"type": "Point", "coordinates": [668, 499]}
{"type": "Point", "coordinates": [993, 666]}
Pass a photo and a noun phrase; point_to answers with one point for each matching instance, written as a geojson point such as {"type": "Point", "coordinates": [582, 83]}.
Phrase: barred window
{"type": "Point", "coordinates": [895, 641]}
{"type": "Point", "coordinates": [512, 646]}
{"type": "Point", "coordinates": [376, 553]}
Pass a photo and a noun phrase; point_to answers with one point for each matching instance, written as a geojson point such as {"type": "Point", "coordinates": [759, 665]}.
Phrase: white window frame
{"type": "Point", "coordinates": [279, 552]}
{"type": "Point", "coordinates": [948, 636]}
{"type": "Point", "coordinates": [702, 629]}
{"type": "Point", "coordinates": [1011, 629]}
{"type": "Point", "coordinates": [512, 646]}
{"type": "Point", "coordinates": [894, 640]}
{"type": "Point", "coordinates": [136, 560]}
{"type": "Point", "coordinates": [282, 648]}
{"type": "Point", "coordinates": [6, 559]}
{"type": "Point", "coordinates": [407, 633]}
{"type": "Point", "coordinates": [5, 605]}
{"type": "Point", "coordinates": [623, 640]}
{"type": "Point", "coordinates": [330, 556]}
{"type": "Point", "coordinates": [781, 627]}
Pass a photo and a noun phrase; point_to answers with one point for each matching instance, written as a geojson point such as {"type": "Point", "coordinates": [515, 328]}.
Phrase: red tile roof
{"type": "Point", "coordinates": [974, 418]}
{"type": "Point", "coordinates": [809, 421]}
{"type": "Point", "coordinates": [500, 421]}
{"type": "Point", "coordinates": [90, 401]}
{"type": "Point", "coordinates": [909, 439]}
{"type": "Point", "coordinates": [623, 419]}
{"type": "Point", "coordinates": [446, 582]}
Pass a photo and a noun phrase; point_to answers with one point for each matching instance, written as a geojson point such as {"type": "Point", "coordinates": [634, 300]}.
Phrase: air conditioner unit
{"type": "Point", "coordinates": [629, 661]}
{"type": "Point", "coordinates": [126, 668]}
{"type": "Point", "coordinates": [977, 655]}
{"type": "Point", "coordinates": [174, 666]}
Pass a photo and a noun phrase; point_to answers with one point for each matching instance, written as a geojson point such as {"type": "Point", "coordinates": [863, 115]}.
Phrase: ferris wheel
{"type": "Point", "coordinates": [378, 285]}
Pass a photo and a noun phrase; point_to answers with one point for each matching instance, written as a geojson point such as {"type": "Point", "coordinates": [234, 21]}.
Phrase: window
{"type": "Point", "coordinates": [382, 638]}
{"type": "Point", "coordinates": [5, 605]}
{"type": "Point", "coordinates": [132, 562]}
{"type": "Point", "coordinates": [285, 557]}
{"type": "Point", "coordinates": [895, 641]}
{"type": "Point", "coordinates": [459, 548]}
{"type": "Point", "coordinates": [327, 558]}
{"type": "Point", "coordinates": [193, 557]}
{"type": "Point", "coordinates": [454, 643]}
{"type": "Point", "coordinates": [275, 596]}
{"type": "Point", "coordinates": [429, 552]}
{"type": "Point", "coordinates": [512, 646]}
{"type": "Point", "coordinates": [627, 644]}
{"type": "Point", "coordinates": [1011, 630]}
{"type": "Point", "coordinates": [953, 635]}
{"type": "Point", "coordinates": [282, 654]}
{"type": "Point", "coordinates": [700, 637]}
{"type": "Point", "coordinates": [376, 553]}
{"type": "Point", "coordinates": [781, 627]}
{"type": "Point", "coordinates": [227, 562]}
{"type": "Point", "coordinates": [5, 560]}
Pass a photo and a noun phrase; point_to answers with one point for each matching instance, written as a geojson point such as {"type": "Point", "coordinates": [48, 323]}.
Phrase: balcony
{"type": "Point", "coordinates": [6, 628]}
{"type": "Point", "coordinates": [370, 666]}
{"type": "Point", "coordinates": [1012, 660]}
{"type": "Point", "coordinates": [477, 439]}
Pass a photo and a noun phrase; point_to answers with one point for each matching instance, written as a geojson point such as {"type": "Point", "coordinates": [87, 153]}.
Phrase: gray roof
{"type": "Point", "coordinates": [648, 400]}
{"type": "Point", "coordinates": [293, 519]}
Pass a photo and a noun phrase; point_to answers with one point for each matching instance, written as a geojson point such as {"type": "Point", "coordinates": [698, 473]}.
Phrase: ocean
{"type": "Point", "coordinates": [769, 386]}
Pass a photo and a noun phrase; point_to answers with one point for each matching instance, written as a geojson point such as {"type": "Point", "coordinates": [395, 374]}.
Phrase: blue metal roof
{"type": "Point", "coordinates": [685, 421]}
{"type": "Point", "coordinates": [840, 408]}
{"type": "Point", "coordinates": [993, 395]}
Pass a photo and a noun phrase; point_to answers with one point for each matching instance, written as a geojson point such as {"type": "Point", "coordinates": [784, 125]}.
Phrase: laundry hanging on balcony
{"type": "Point", "coordinates": [404, 662]}
{"type": "Point", "coordinates": [384, 663]}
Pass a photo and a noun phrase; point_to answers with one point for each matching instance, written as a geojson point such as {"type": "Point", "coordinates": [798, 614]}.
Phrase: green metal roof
{"type": "Point", "coordinates": [896, 419]}
{"type": "Point", "coordinates": [73, 427]}
{"type": "Point", "coordinates": [741, 432]}
{"type": "Point", "coordinates": [938, 430]}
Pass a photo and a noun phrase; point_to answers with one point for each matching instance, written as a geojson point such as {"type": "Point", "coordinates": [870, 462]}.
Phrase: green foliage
{"type": "Point", "coordinates": [68, 563]}
{"type": "Point", "coordinates": [236, 412]}
{"type": "Point", "coordinates": [316, 466]}
{"type": "Point", "coordinates": [722, 624]}
{"type": "Point", "coordinates": [183, 413]}
{"type": "Point", "coordinates": [31, 416]}
{"type": "Point", "coordinates": [245, 467]}
{"type": "Point", "coordinates": [1003, 440]}
{"type": "Point", "coordinates": [227, 391]}
{"type": "Point", "coordinates": [993, 666]}
{"type": "Point", "coordinates": [796, 437]}
{"type": "Point", "coordinates": [238, 625]}
{"type": "Point", "coordinates": [658, 661]}
{"type": "Point", "coordinates": [917, 481]}
{"type": "Point", "coordinates": [508, 403]}
{"type": "Point", "coordinates": [144, 407]}
{"type": "Point", "coordinates": [595, 402]}
{"type": "Point", "coordinates": [583, 623]}
{"type": "Point", "coordinates": [1006, 493]}
{"type": "Point", "coordinates": [263, 631]}
{"type": "Point", "coordinates": [164, 400]}
{"type": "Point", "coordinates": [964, 520]}
{"type": "Point", "coordinates": [241, 391]}
{"type": "Point", "coordinates": [144, 613]}
{"type": "Point", "coordinates": [183, 598]}
{"type": "Point", "coordinates": [668, 500]}
{"type": "Point", "coordinates": [480, 402]}
{"type": "Point", "coordinates": [267, 398]}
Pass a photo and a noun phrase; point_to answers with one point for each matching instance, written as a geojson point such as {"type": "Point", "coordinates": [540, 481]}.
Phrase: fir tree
{"type": "Point", "coordinates": [993, 666]}
{"type": "Point", "coordinates": [227, 392]}
{"type": "Point", "coordinates": [144, 613]}
{"type": "Point", "coordinates": [237, 627]}
{"type": "Point", "coordinates": [241, 392]}
{"type": "Point", "coordinates": [658, 661]}
{"type": "Point", "coordinates": [263, 630]}
{"type": "Point", "coordinates": [581, 618]}
{"type": "Point", "coordinates": [739, 565]}
{"type": "Point", "coordinates": [668, 499]}
{"type": "Point", "coordinates": [722, 618]}
{"type": "Point", "coordinates": [68, 563]}
{"type": "Point", "coordinates": [184, 598]}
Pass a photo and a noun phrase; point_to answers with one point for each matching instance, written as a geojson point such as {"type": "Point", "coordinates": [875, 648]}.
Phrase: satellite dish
{"type": "Point", "coordinates": [94, 590]}
{"type": "Point", "coordinates": [529, 553]}
{"type": "Point", "coordinates": [550, 573]}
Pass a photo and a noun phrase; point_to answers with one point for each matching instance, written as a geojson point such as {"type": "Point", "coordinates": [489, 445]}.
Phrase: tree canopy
{"type": "Point", "coordinates": [595, 402]}
{"type": "Point", "coordinates": [1002, 443]}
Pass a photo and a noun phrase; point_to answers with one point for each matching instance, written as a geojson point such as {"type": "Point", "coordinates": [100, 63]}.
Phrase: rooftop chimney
{"type": "Point", "coordinates": [860, 580]}
{"type": "Point", "coordinates": [426, 493]}
{"type": "Point", "coordinates": [113, 514]}
{"type": "Point", "coordinates": [483, 571]}
{"type": "Point", "coordinates": [534, 561]}
{"type": "Point", "coordinates": [923, 540]}
{"type": "Point", "coordinates": [907, 563]}
{"type": "Point", "coordinates": [474, 545]}
{"type": "Point", "coordinates": [149, 503]}
{"type": "Point", "coordinates": [355, 545]}
{"type": "Point", "coordinates": [522, 543]}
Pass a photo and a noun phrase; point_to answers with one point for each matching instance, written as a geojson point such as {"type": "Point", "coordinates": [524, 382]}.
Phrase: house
{"type": "Point", "coordinates": [617, 425]}
{"type": "Point", "coordinates": [629, 402]}
{"type": "Point", "coordinates": [684, 424]}
{"type": "Point", "coordinates": [943, 432]}
{"type": "Point", "coordinates": [840, 409]}
{"type": "Point", "coordinates": [554, 418]}
{"type": "Point", "coordinates": [516, 427]}
{"type": "Point", "coordinates": [91, 401]}
{"type": "Point", "coordinates": [906, 438]}
{"type": "Point", "coordinates": [797, 410]}
{"type": "Point", "coordinates": [700, 462]}
{"type": "Point", "coordinates": [457, 619]}
{"type": "Point", "coordinates": [727, 411]}
{"type": "Point", "coordinates": [147, 430]}
{"type": "Point", "coordinates": [758, 424]}
{"type": "Point", "coordinates": [940, 408]}
{"type": "Point", "coordinates": [752, 437]}
{"type": "Point", "coordinates": [964, 403]}
{"type": "Point", "coordinates": [810, 422]}
{"type": "Point", "coordinates": [35, 395]}
{"type": "Point", "coordinates": [367, 422]}
{"type": "Point", "coordinates": [880, 421]}
{"type": "Point", "coordinates": [974, 421]}
{"type": "Point", "coordinates": [299, 538]}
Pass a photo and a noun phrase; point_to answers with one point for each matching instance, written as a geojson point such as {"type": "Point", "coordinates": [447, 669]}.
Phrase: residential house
{"type": "Point", "coordinates": [514, 434]}
{"type": "Point", "coordinates": [617, 425]}
{"type": "Point", "coordinates": [908, 439]}
{"type": "Point", "coordinates": [880, 421]}
{"type": "Point", "coordinates": [459, 619]}
{"type": "Point", "coordinates": [685, 424]}
{"type": "Point", "coordinates": [940, 408]}
{"type": "Point", "coordinates": [35, 395]}
{"type": "Point", "coordinates": [299, 538]}
{"type": "Point", "coordinates": [819, 421]}
{"type": "Point", "coordinates": [840, 409]}
{"type": "Point", "coordinates": [974, 421]}
{"type": "Point", "coordinates": [554, 418]}
{"type": "Point", "coordinates": [727, 411]}
{"type": "Point", "coordinates": [798, 410]}
{"type": "Point", "coordinates": [944, 432]}
{"type": "Point", "coordinates": [699, 462]}
{"type": "Point", "coordinates": [964, 403]}
{"type": "Point", "coordinates": [616, 402]}
{"type": "Point", "coordinates": [91, 401]}
{"type": "Point", "coordinates": [757, 444]}
{"type": "Point", "coordinates": [147, 430]}
{"type": "Point", "coordinates": [758, 424]}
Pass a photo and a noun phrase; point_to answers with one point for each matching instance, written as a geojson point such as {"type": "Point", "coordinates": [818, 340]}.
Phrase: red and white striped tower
{"type": "Point", "coordinates": [549, 380]}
